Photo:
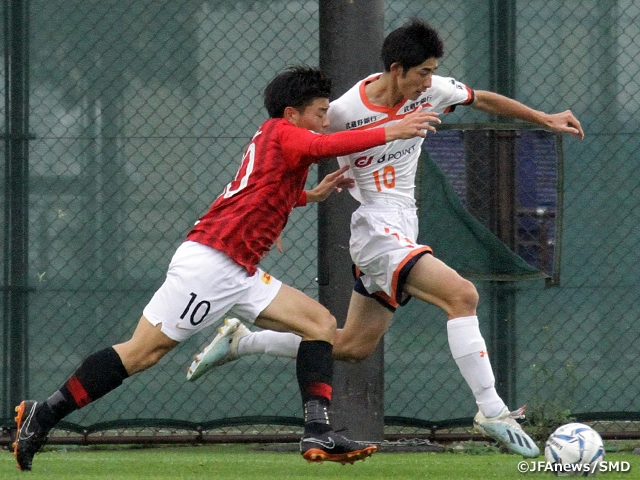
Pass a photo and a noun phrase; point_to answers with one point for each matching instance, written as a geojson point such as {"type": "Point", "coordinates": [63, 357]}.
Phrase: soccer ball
{"type": "Point", "coordinates": [574, 449]}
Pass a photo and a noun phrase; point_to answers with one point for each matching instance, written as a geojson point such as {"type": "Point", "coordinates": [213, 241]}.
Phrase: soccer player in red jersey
{"type": "Point", "coordinates": [215, 271]}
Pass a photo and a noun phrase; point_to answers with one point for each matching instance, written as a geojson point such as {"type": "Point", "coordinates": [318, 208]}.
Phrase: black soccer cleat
{"type": "Point", "coordinates": [30, 437]}
{"type": "Point", "coordinates": [334, 448]}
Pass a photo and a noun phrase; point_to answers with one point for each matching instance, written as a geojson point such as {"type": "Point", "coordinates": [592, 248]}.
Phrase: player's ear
{"type": "Point", "coordinates": [291, 115]}
{"type": "Point", "coordinates": [396, 68]}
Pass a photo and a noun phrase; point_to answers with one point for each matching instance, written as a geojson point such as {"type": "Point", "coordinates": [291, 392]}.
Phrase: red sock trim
{"type": "Point", "coordinates": [318, 389]}
{"type": "Point", "coordinates": [80, 395]}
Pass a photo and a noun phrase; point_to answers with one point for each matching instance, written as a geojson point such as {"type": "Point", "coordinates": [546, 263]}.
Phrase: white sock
{"type": "Point", "coordinates": [470, 353]}
{"type": "Point", "coordinates": [277, 344]}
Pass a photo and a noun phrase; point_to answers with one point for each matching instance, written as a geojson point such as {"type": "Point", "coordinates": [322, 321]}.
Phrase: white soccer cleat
{"type": "Point", "coordinates": [508, 432]}
{"type": "Point", "coordinates": [223, 348]}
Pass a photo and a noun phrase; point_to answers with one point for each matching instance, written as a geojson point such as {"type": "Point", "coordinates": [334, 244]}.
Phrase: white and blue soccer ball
{"type": "Point", "coordinates": [574, 449]}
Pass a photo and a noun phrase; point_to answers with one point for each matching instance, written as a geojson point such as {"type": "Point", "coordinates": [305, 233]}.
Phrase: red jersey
{"type": "Point", "coordinates": [249, 215]}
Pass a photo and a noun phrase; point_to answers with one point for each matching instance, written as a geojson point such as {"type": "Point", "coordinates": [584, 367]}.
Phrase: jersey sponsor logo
{"type": "Point", "coordinates": [361, 122]}
{"type": "Point", "coordinates": [266, 278]}
{"type": "Point", "coordinates": [362, 162]}
{"type": "Point", "coordinates": [365, 161]}
{"type": "Point", "coordinates": [424, 102]}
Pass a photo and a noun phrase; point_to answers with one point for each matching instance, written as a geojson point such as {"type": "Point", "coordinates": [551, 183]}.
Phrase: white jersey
{"type": "Point", "coordinates": [386, 174]}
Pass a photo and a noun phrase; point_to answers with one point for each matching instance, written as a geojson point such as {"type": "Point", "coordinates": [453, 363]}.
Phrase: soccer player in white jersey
{"type": "Point", "coordinates": [391, 266]}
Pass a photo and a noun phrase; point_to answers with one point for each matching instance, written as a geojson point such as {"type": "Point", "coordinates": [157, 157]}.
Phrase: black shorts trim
{"type": "Point", "coordinates": [401, 297]}
{"type": "Point", "coordinates": [359, 288]}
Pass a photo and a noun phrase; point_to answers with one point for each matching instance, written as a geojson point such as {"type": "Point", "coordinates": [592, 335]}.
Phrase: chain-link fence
{"type": "Point", "coordinates": [139, 112]}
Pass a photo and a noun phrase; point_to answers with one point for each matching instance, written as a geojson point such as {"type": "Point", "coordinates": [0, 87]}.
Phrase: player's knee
{"type": "Point", "coordinates": [470, 295]}
{"type": "Point", "coordinates": [464, 298]}
{"type": "Point", "coordinates": [329, 326]}
{"type": "Point", "coordinates": [322, 326]}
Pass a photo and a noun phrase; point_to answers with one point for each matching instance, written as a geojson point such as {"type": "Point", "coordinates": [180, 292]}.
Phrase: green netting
{"type": "Point", "coordinates": [458, 238]}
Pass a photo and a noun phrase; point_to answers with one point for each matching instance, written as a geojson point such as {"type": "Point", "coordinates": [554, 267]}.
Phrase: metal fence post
{"type": "Point", "coordinates": [502, 294]}
{"type": "Point", "coordinates": [490, 154]}
{"type": "Point", "coordinates": [15, 285]}
{"type": "Point", "coordinates": [351, 35]}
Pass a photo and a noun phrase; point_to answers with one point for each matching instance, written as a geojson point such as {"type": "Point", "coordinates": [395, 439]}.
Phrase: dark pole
{"type": "Point", "coordinates": [351, 34]}
{"type": "Point", "coordinates": [15, 285]}
{"type": "Point", "coordinates": [502, 294]}
{"type": "Point", "coordinates": [503, 47]}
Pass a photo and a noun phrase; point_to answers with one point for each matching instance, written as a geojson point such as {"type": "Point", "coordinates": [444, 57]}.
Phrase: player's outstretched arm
{"type": "Point", "coordinates": [334, 181]}
{"type": "Point", "coordinates": [496, 104]}
{"type": "Point", "coordinates": [416, 124]}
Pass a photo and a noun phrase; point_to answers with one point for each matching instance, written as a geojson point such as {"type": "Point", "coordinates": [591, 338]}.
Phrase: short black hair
{"type": "Point", "coordinates": [296, 87]}
{"type": "Point", "coordinates": [412, 44]}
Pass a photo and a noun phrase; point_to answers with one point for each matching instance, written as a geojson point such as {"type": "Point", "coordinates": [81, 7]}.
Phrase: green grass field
{"type": "Point", "coordinates": [230, 462]}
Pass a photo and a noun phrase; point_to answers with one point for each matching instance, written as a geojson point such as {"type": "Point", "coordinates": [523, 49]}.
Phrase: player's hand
{"type": "Point", "coordinates": [334, 181]}
{"type": "Point", "coordinates": [279, 244]}
{"type": "Point", "coordinates": [416, 124]}
{"type": "Point", "coordinates": [565, 122]}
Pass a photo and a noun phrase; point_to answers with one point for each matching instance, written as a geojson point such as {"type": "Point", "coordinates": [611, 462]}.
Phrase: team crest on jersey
{"type": "Point", "coordinates": [266, 278]}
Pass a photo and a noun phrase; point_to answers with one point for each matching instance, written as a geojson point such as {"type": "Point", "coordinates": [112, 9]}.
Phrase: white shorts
{"type": "Point", "coordinates": [383, 244]}
{"type": "Point", "coordinates": [202, 286]}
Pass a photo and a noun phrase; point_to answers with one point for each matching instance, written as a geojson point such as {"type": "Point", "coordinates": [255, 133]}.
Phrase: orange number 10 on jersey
{"type": "Point", "coordinates": [387, 178]}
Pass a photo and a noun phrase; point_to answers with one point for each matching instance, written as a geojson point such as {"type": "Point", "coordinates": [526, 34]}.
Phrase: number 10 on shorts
{"type": "Point", "coordinates": [198, 313]}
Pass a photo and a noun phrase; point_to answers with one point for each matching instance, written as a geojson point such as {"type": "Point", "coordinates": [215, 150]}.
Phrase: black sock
{"type": "Point", "coordinates": [314, 369]}
{"type": "Point", "coordinates": [100, 373]}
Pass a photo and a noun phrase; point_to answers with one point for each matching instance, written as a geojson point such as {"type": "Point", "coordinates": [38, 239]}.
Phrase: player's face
{"type": "Point", "coordinates": [314, 117]}
{"type": "Point", "coordinates": [413, 82]}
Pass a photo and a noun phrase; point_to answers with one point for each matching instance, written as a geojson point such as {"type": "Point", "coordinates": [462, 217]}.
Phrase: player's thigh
{"type": "Point", "coordinates": [433, 281]}
{"type": "Point", "coordinates": [366, 323]}
{"type": "Point", "coordinates": [293, 311]}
